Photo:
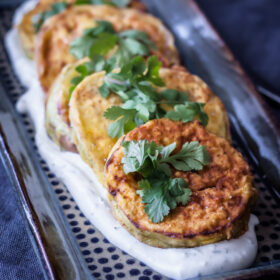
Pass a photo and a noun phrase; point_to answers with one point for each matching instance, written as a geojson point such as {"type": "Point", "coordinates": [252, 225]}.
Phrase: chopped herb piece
{"type": "Point", "coordinates": [117, 3]}
{"type": "Point", "coordinates": [98, 41]}
{"type": "Point", "coordinates": [187, 112]}
{"type": "Point", "coordinates": [134, 84]}
{"type": "Point", "coordinates": [159, 191]}
{"type": "Point", "coordinates": [142, 155]}
{"type": "Point", "coordinates": [124, 124]}
{"type": "Point", "coordinates": [101, 39]}
{"type": "Point", "coordinates": [39, 19]}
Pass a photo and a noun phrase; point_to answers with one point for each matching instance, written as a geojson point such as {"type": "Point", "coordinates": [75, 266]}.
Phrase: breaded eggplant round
{"type": "Point", "coordinates": [89, 125]}
{"type": "Point", "coordinates": [27, 32]}
{"type": "Point", "coordinates": [222, 193]}
{"type": "Point", "coordinates": [57, 112]}
{"type": "Point", "coordinates": [53, 41]}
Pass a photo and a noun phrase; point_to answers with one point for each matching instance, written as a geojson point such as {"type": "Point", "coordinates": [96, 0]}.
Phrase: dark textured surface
{"type": "Point", "coordinates": [17, 257]}
{"type": "Point", "coordinates": [251, 29]}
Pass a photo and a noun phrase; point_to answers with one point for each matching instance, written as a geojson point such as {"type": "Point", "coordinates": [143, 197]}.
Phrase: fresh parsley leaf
{"type": "Point", "coordinates": [187, 112]}
{"type": "Point", "coordinates": [159, 191]}
{"type": "Point", "coordinates": [140, 157]}
{"type": "Point", "coordinates": [91, 2]}
{"type": "Point", "coordinates": [85, 69]}
{"type": "Point", "coordinates": [174, 96]}
{"type": "Point", "coordinates": [123, 124]}
{"type": "Point", "coordinates": [152, 74]}
{"type": "Point", "coordinates": [121, 3]}
{"type": "Point", "coordinates": [118, 3]}
{"type": "Point", "coordinates": [135, 86]}
{"type": "Point", "coordinates": [145, 155]}
{"type": "Point", "coordinates": [130, 44]}
{"type": "Point", "coordinates": [156, 200]}
{"type": "Point", "coordinates": [161, 195]}
{"type": "Point", "coordinates": [133, 80]}
{"type": "Point", "coordinates": [192, 156]}
{"type": "Point", "coordinates": [102, 27]}
{"type": "Point", "coordinates": [138, 36]}
{"type": "Point", "coordinates": [101, 39]}
{"type": "Point", "coordinates": [39, 19]}
{"type": "Point", "coordinates": [103, 44]}
{"type": "Point", "coordinates": [181, 192]}
{"type": "Point", "coordinates": [98, 40]}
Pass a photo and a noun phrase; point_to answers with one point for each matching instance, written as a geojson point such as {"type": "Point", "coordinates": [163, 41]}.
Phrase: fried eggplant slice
{"type": "Point", "coordinates": [57, 113]}
{"type": "Point", "coordinates": [27, 31]}
{"type": "Point", "coordinates": [222, 192]}
{"type": "Point", "coordinates": [53, 41]}
{"type": "Point", "coordinates": [89, 125]}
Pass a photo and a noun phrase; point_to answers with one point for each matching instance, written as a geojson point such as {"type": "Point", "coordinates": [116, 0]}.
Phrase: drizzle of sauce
{"type": "Point", "coordinates": [91, 196]}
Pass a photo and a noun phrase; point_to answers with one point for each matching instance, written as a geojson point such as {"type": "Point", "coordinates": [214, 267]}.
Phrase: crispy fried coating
{"type": "Point", "coordinates": [89, 126]}
{"type": "Point", "coordinates": [27, 32]}
{"type": "Point", "coordinates": [56, 115]}
{"type": "Point", "coordinates": [222, 192]}
{"type": "Point", "coordinates": [53, 41]}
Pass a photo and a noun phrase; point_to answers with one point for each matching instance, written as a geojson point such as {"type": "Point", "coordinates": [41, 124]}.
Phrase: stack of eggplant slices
{"type": "Point", "coordinates": [156, 136]}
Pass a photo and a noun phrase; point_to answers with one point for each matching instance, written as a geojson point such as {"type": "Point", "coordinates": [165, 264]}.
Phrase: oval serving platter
{"type": "Point", "coordinates": [84, 251]}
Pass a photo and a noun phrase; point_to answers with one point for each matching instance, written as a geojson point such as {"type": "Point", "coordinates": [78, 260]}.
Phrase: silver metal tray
{"type": "Point", "coordinates": [69, 247]}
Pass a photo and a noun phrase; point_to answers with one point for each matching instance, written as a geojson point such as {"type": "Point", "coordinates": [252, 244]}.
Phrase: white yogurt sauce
{"type": "Point", "coordinates": [92, 197]}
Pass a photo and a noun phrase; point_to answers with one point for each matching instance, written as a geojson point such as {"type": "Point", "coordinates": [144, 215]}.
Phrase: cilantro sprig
{"type": "Point", "coordinates": [96, 64]}
{"type": "Point", "coordinates": [56, 8]}
{"type": "Point", "coordinates": [142, 101]}
{"type": "Point", "coordinates": [102, 39]}
{"type": "Point", "coordinates": [159, 191]}
{"type": "Point", "coordinates": [187, 112]}
{"type": "Point", "coordinates": [98, 41]}
{"type": "Point", "coordinates": [39, 19]}
{"type": "Point", "coordinates": [117, 3]}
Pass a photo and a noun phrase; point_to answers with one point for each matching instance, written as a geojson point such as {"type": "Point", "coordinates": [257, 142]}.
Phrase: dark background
{"type": "Point", "coordinates": [251, 29]}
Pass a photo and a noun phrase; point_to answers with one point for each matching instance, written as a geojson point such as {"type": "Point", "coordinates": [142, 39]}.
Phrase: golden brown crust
{"type": "Point", "coordinates": [56, 113]}
{"type": "Point", "coordinates": [53, 41]}
{"type": "Point", "coordinates": [198, 91]}
{"type": "Point", "coordinates": [222, 192]}
{"type": "Point", "coordinates": [27, 32]}
{"type": "Point", "coordinates": [89, 125]}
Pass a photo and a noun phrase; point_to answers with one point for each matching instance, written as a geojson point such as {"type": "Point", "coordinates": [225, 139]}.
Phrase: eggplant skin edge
{"type": "Point", "coordinates": [218, 210]}
{"type": "Point", "coordinates": [27, 33]}
{"type": "Point", "coordinates": [89, 126]}
{"type": "Point", "coordinates": [160, 240]}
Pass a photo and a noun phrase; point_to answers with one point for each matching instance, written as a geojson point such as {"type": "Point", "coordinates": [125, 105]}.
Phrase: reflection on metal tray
{"type": "Point", "coordinates": [204, 54]}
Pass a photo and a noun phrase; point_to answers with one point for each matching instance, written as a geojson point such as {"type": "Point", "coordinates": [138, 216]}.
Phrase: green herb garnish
{"type": "Point", "coordinates": [96, 64]}
{"type": "Point", "coordinates": [135, 85]}
{"type": "Point", "coordinates": [186, 112]}
{"type": "Point", "coordinates": [98, 41]}
{"type": "Point", "coordinates": [56, 8]}
{"type": "Point", "coordinates": [39, 19]}
{"type": "Point", "coordinates": [103, 38]}
{"type": "Point", "coordinates": [117, 3]}
{"type": "Point", "coordinates": [159, 191]}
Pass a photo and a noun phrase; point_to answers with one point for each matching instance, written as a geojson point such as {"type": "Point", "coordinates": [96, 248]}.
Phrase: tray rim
{"type": "Point", "coordinates": [34, 232]}
{"type": "Point", "coordinates": [24, 206]}
{"type": "Point", "coordinates": [35, 228]}
{"type": "Point", "coordinates": [254, 94]}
